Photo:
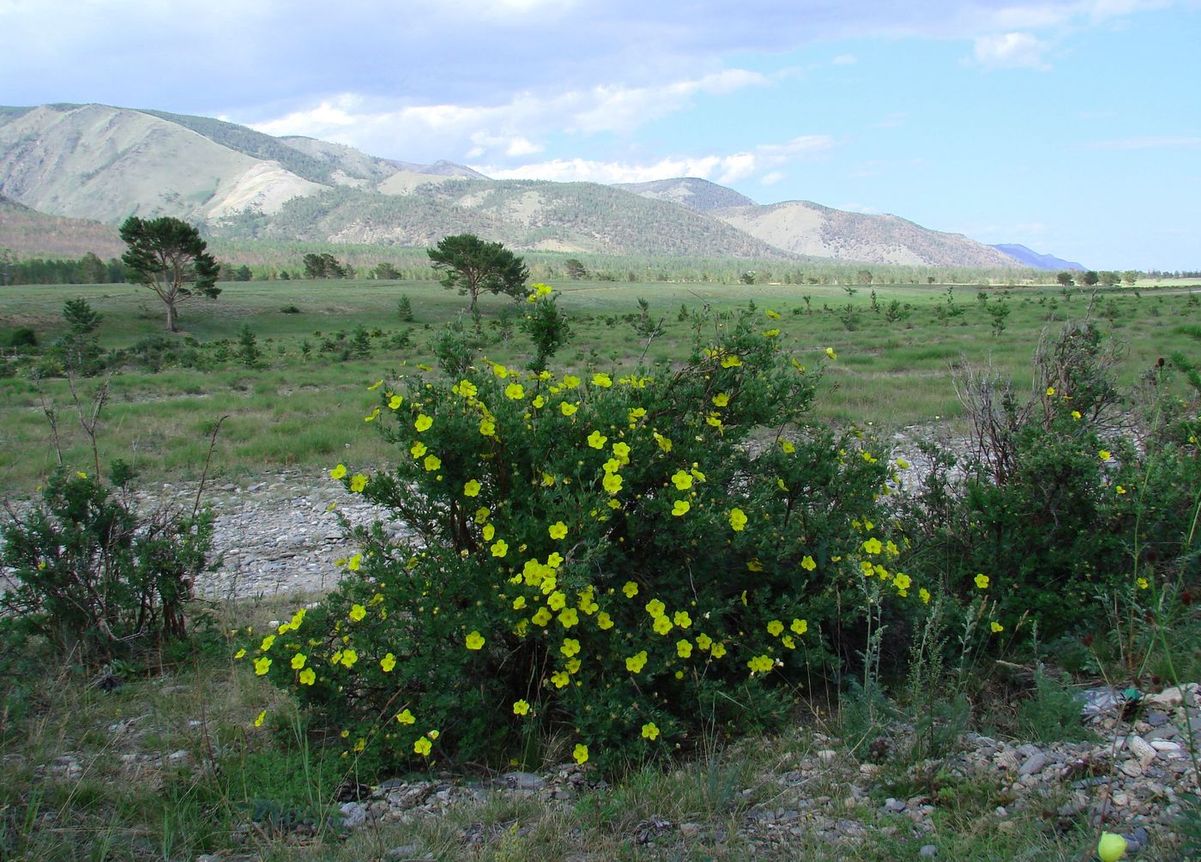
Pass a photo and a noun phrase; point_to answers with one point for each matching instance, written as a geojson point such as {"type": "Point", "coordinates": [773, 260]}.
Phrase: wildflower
{"type": "Point", "coordinates": [338, 472]}
{"type": "Point", "coordinates": [630, 589]}
{"type": "Point", "coordinates": [372, 416]}
{"type": "Point", "coordinates": [924, 595]}
{"type": "Point", "coordinates": [597, 440]}
{"type": "Point", "coordinates": [349, 657]}
{"type": "Point", "coordinates": [487, 428]}
{"type": "Point", "coordinates": [431, 463]}
{"type": "Point", "coordinates": [475, 640]}
{"type": "Point", "coordinates": [1119, 490]}
{"type": "Point", "coordinates": [830, 352]}
{"type": "Point", "coordinates": [422, 746]}
{"type": "Point", "coordinates": [521, 707]}
{"type": "Point", "coordinates": [260, 718]}
{"type": "Point", "coordinates": [570, 381]}
{"type": "Point", "coordinates": [307, 676]}
{"type": "Point", "coordinates": [721, 399]}
{"type": "Point", "coordinates": [376, 385]}
{"type": "Point", "coordinates": [682, 480]}
{"type": "Point", "coordinates": [261, 665]}
{"type": "Point", "coordinates": [873, 546]}
{"type": "Point", "coordinates": [731, 361]}
{"type": "Point", "coordinates": [717, 650]}
{"type": "Point", "coordinates": [557, 600]}
{"type": "Point", "coordinates": [298, 661]}
{"type": "Point", "coordinates": [395, 401]}
{"type": "Point", "coordinates": [267, 642]}
{"type": "Point", "coordinates": [612, 483]}
{"type": "Point", "coordinates": [1050, 391]}
{"type": "Point", "coordinates": [500, 547]}
{"type": "Point", "coordinates": [622, 452]}
{"type": "Point", "coordinates": [357, 483]}
{"type": "Point", "coordinates": [760, 664]}
{"type": "Point", "coordinates": [774, 628]}
{"type": "Point", "coordinates": [1077, 415]}
{"type": "Point", "coordinates": [355, 562]}
{"type": "Point", "coordinates": [357, 612]}
{"type": "Point", "coordinates": [684, 648]}
{"type": "Point", "coordinates": [560, 678]}
{"type": "Point", "coordinates": [541, 617]}
{"type": "Point", "coordinates": [515, 392]}
{"type": "Point", "coordinates": [423, 422]}
{"type": "Point", "coordinates": [662, 625]}
{"type": "Point", "coordinates": [1143, 583]}
{"type": "Point", "coordinates": [465, 388]}
{"type": "Point", "coordinates": [808, 563]}
{"type": "Point", "coordinates": [604, 622]}
{"type": "Point", "coordinates": [650, 731]}
{"type": "Point", "coordinates": [771, 333]}
{"type": "Point", "coordinates": [418, 449]}
{"type": "Point", "coordinates": [387, 663]}
{"type": "Point", "coordinates": [580, 753]}
{"type": "Point", "coordinates": [682, 619]}
{"type": "Point", "coordinates": [680, 507]}
{"type": "Point", "coordinates": [240, 654]}
{"type": "Point", "coordinates": [982, 581]}
{"type": "Point", "coordinates": [570, 647]}
{"type": "Point", "coordinates": [636, 662]}
{"type": "Point", "coordinates": [471, 488]}
{"type": "Point", "coordinates": [405, 717]}
{"type": "Point", "coordinates": [488, 532]}
{"type": "Point", "coordinates": [664, 443]}
{"type": "Point", "coordinates": [737, 520]}
{"type": "Point", "coordinates": [996, 627]}
{"type": "Point", "coordinates": [557, 530]}
{"type": "Point", "coordinates": [1105, 455]}
{"type": "Point", "coordinates": [654, 607]}
{"type": "Point", "coordinates": [481, 514]}
{"type": "Point", "coordinates": [568, 618]}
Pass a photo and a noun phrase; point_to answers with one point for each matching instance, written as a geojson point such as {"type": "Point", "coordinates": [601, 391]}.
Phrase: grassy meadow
{"type": "Point", "coordinates": [897, 347]}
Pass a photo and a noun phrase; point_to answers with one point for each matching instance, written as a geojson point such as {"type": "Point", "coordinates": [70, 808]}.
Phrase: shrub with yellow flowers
{"type": "Point", "coordinates": [625, 560]}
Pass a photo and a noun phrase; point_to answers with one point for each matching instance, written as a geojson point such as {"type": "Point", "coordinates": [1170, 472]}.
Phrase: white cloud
{"type": "Point", "coordinates": [845, 60]}
{"type": "Point", "coordinates": [725, 169]}
{"type": "Point", "coordinates": [619, 108]}
{"type": "Point", "coordinates": [1148, 142]}
{"type": "Point", "coordinates": [770, 179]}
{"type": "Point", "coordinates": [1010, 51]}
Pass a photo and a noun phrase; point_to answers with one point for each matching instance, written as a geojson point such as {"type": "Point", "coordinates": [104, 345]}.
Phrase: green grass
{"type": "Point", "coordinates": [305, 412]}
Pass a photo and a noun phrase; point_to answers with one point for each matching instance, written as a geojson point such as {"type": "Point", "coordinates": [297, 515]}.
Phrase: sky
{"type": "Point", "coordinates": [1069, 126]}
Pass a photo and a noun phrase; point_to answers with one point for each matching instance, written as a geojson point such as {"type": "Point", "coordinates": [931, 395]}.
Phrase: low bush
{"type": "Point", "coordinates": [627, 564]}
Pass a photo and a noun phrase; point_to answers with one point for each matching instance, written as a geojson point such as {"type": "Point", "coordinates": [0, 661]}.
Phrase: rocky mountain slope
{"type": "Point", "coordinates": [104, 163]}
{"type": "Point", "coordinates": [1031, 258]}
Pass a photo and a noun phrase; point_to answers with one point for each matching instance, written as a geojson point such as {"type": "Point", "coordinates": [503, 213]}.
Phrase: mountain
{"type": "Point", "coordinates": [806, 228]}
{"type": "Point", "coordinates": [29, 233]}
{"type": "Point", "coordinates": [105, 163]}
{"type": "Point", "coordinates": [692, 192]}
{"type": "Point", "coordinates": [1033, 259]}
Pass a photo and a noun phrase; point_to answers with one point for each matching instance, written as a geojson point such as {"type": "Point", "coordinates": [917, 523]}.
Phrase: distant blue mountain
{"type": "Point", "coordinates": [1032, 258]}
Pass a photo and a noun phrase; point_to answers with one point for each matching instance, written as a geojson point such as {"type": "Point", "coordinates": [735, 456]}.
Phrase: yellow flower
{"type": "Point", "coordinates": [521, 707]}
{"type": "Point", "coordinates": [338, 472]}
{"type": "Point", "coordinates": [431, 463]}
{"type": "Point", "coordinates": [376, 385]}
{"type": "Point", "coordinates": [830, 352]}
{"type": "Point", "coordinates": [664, 443]}
{"type": "Point", "coordinates": [597, 440]}
{"type": "Point", "coordinates": [1104, 454]}
{"type": "Point", "coordinates": [737, 520]}
{"type": "Point", "coordinates": [1050, 391]}
{"type": "Point", "coordinates": [422, 746]}
{"type": "Point", "coordinates": [372, 416]}
{"type": "Point", "coordinates": [1143, 583]}
{"type": "Point", "coordinates": [718, 650]}
{"type": "Point", "coordinates": [1077, 415]}
{"type": "Point", "coordinates": [680, 507]}
{"type": "Point", "coordinates": [982, 581]}
{"type": "Point", "coordinates": [703, 641]}
{"type": "Point", "coordinates": [519, 603]}
{"type": "Point", "coordinates": [604, 622]}
{"type": "Point", "coordinates": [721, 399]}
{"type": "Point", "coordinates": [1119, 490]}
{"type": "Point", "coordinates": [684, 648]}
{"type": "Point", "coordinates": [541, 617]}
{"type": "Point", "coordinates": [475, 640]}
{"type": "Point", "coordinates": [500, 547]}
{"type": "Point", "coordinates": [357, 483]}
{"type": "Point", "coordinates": [568, 617]}
{"type": "Point", "coordinates": [873, 546]}
{"type": "Point", "coordinates": [760, 664]}
{"type": "Point", "coordinates": [418, 449]}
{"type": "Point", "coordinates": [465, 389]}
{"type": "Point", "coordinates": [996, 627]}
{"type": "Point", "coordinates": [580, 753]}
{"type": "Point", "coordinates": [240, 654]}
{"type": "Point", "coordinates": [423, 422]}
{"type": "Point", "coordinates": [602, 380]}
{"type": "Point", "coordinates": [357, 612]}
{"type": "Point", "coordinates": [262, 665]}
{"type": "Point", "coordinates": [560, 678]}
{"type": "Point", "coordinates": [298, 661]}
{"type": "Point", "coordinates": [557, 530]}
{"type": "Point", "coordinates": [557, 600]}
{"type": "Point", "coordinates": [924, 595]}
{"type": "Point", "coordinates": [682, 619]}
{"type": "Point", "coordinates": [807, 563]}
{"type": "Point", "coordinates": [487, 428]}
{"type": "Point", "coordinates": [471, 488]}
{"type": "Point", "coordinates": [387, 663]}
{"type": "Point", "coordinates": [307, 676]}
{"type": "Point", "coordinates": [799, 627]}
{"type": "Point", "coordinates": [612, 483]}
{"type": "Point", "coordinates": [488, 532]}
{"type": "Point", "coordinates": [260, 718]}
{"type": "Point", "coordinates": [654, 607]}
{"type": "Point", "coordinates": [662, 625]}
{"type": "Point", "coordinates": [570, 647]}
{"type": "Point", "coordinates": [349, 657]}
{"type": "Point", "coordinates": [355, 561]}
{"type": "Point", "coordinates": [636, 662]}
{"type": "Point", "coordinates": [515, 392]}
{"type": "Point", "coordinates": [771, 333]}
{"type": "Point", "coordinates": [567, 408]}
{"type": "Point", "coordinates": [406, 717]}
{"type": "Point", "coordinates": [570, 381]}
{"type": "Point", "coordinates": [650, 731]}
{"type": "Point", "coordinates": [682, 480]}
{"type": "Point", "coordinates": [731, 361]}
{"type": "Point", "coordinates": [394, 402]}
{"type": "Point", "coordinates": [775, 628]}
{"type": "Point", "coordinates": [267, 642]}
{"type": "Point", "coordinates": [630, 589]}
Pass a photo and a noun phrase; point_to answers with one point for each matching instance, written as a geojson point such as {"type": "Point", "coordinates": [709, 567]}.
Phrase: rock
{"type": "Point", "coordinates": [928, 851]}
{"type": "Point", "coordinates": [354, 814]}
{"type": "Point", "coordinates": [1033, 765]}
{"type": "Point", "coordinates": [523, 781]}
{"type": "Point", "coordinates": [896, 806]}
{"type": "Point", "coordinates": [1140, 748]}
{"type": "Point", "coordinates": [827, 756]}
